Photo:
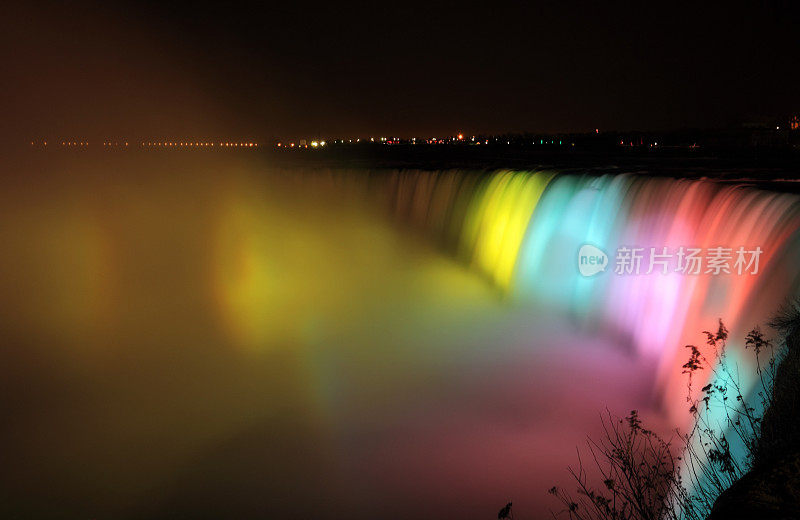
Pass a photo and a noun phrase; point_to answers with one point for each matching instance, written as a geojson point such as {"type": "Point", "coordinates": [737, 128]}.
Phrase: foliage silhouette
{"type": "Point", "coordinates": [645, 477]}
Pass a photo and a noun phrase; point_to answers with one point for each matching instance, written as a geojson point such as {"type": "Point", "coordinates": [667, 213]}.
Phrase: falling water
{"type": "Point", "coordinates": [227, 339]}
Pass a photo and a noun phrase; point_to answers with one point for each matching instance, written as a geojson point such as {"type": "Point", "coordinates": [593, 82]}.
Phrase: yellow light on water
{"type": "Point", "coordinates": [497, 222]}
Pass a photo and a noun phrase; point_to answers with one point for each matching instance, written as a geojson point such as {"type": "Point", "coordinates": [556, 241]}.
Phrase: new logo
{"type": "Point", "coordinates": [591, 260]}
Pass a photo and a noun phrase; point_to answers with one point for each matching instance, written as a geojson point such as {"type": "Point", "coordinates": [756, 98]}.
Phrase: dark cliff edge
{"type": "Point", "coordinates": [771, 489]}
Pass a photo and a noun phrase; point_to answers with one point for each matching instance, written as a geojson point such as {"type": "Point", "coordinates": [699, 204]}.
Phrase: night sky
{"type": "Point", "coordinates": [395, 68]}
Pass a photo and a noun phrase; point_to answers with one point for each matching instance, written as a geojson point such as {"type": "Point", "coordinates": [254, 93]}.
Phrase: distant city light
{"type": "Point", "coordinates": [519, 140]}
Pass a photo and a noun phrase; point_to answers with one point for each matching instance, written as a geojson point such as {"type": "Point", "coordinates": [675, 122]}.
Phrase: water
{"type": "Point", "coordinates": [219, 338]}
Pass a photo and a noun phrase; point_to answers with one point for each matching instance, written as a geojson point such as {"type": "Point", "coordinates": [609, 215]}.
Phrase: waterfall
{"type": "Point", "coordinates": [522, 230]}
{"type": "Point", "coordinates": [422, 339]}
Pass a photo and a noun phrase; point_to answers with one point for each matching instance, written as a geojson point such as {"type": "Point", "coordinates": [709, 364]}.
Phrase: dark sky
{"type": "Point", "coordinates": [404, 68]}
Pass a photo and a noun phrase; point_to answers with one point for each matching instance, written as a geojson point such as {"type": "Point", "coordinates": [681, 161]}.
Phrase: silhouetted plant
{"type": "Point", "coordinates": [723, 414]}
{"type": "Point", "coordinates": [641, 476]}
{"type": "Point", "coordinates": [506, 513]}
{"type": "Point", "coordinates": [638, 471]}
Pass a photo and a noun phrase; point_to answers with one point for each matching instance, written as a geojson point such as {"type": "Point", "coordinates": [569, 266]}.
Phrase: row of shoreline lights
{"type": "Point", "coordinates": [198, 144]}
{"type": "Point", "coordinates": [395, 140]}
{"type": "Point", "coordinates": [413, 140]}
{"type": "Point", "coordinates": [249, 144]}
{"type": "Point", "coordinates": [303, 144]}
{"type": "Point", "coordinates": [392, 140]}
{"type": "Point", "coordinates": [158, 144]}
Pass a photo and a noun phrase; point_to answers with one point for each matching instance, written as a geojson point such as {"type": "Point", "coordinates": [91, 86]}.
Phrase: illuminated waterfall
{"type": "Point", "coordinates": [523, 230]}
{"type": "Point", "coordinates": [396, 329]}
